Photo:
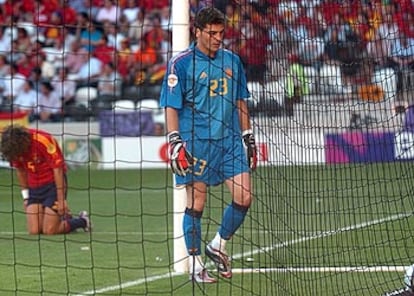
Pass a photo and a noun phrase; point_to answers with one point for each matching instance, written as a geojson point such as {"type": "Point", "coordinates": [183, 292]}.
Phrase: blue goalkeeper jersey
{"type": "Point", "coordinates": [205, 91]}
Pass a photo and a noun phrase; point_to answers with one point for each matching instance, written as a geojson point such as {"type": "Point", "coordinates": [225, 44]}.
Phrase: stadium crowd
{"type": "Point", "coordinates": [53, 48]}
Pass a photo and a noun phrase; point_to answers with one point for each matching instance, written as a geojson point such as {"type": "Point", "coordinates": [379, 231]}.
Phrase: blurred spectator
{"type": "Point", "coordinates": [42, 13]}
{"type": "Point", "coordinates": [155, 34]}
{"type": "Point", "coordinates": [89, 71]}
{"type": "Point", "coordinates": [36, 78]}
{"type": "Point", "coordinates": [124, 59]}
{"type": "Point", "coordinates": [68, 38]}
{"type": "Point", "coordinates": [311, 50]}
{"type": "Point", "coordinates": [13, 84]}
{"type": "Point", "coordinates": [55, 53]}
{"type": "Point", "coordinates": [114, 37]}
{"type": "Point", "coordinates": [5, 42]}
{"type": "Point", "coordinates": [108, 12]}
{"type": "Point", "coordinates": [49, 108]}
{"type": "Point", "coordinates": [48, 69]}
{"type": "Point", "coordinates": [104, 51]}
{"type": "Point", "coordinates": [24, 42]}
{"type": "Point", "coordinates": [232, 33]}
{"type": "Point", "coordinates": [73, 60]}
{"type": "Point", "coordinates": [68, 13]}
{"type": "Point", "coordinates": [379, 48]}
{"type": "Point", "coordinates": [55, 29]}
{"type": "Point", "coordinates": [37, 47]}
{"type": "Point", "coordinates": [144, 59]}
{"type": "Point", "coordinates": [253, 50]}
{"type": "Point", "coordinates": [26, 99]}
{"type": "Point", "coordinates": [340, 41]}
{"type": "Point", "coordinates": [165, 49]}
{"type": "Point", "coordinates": [14, 54]}
{"type": "Point", "coordinates": [64, 86]}
{"type": "Point", "coordinates": [165, 18]}
{"type": "Point", "coordinates": [307, 59]}
{"type": "Point", "coordinates": [279, 47]}
{"type": "Point", "coordinates": [90, 37]}
{"type": "Point", "coordinates": [404, 17]}
{"type": "Point", "coordinates": [139, 27]}
{"type": "Point", "coordinates": [82, 21]}
{"type": "Point", "coordinates": [25, 64]}
{"type": "Point", "coordinates": [123, 26]}
{"type": "Point", "coordinates": [131, 10]}
{"type": "Point", "coordinates": [4, 66]}
{"type": "Point", "coordinates": [109, 82]}
{"type": "Point", "coordinates": [402, 56]}
{"type": "Point", "coordinates": [11, 8]}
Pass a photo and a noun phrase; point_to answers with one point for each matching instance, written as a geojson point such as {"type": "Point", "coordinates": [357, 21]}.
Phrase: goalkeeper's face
{"type": "Point", "coordinates": [209, 39]}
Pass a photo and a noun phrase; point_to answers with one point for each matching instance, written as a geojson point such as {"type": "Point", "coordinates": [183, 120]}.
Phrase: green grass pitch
{"type": "Point", "coordinates": [311, 228]}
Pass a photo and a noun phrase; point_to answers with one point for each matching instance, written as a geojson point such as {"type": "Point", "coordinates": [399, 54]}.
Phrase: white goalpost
{"type": "Point", "coordinates": [180, 40]}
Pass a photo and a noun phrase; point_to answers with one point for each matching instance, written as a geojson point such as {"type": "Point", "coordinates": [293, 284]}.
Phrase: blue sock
{"type": "Point", "coordinates": [192, 231]}
{"type": "Point", "coordinates": [233, 217]}
{"type": "Point", "coordinates": [76, 223]}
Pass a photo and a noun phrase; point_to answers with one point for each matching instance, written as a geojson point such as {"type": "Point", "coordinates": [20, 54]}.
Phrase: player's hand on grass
{"type": "Point", "coordinates": [250, 143]}
{"type": "Point", "coordinates": [180, 159]}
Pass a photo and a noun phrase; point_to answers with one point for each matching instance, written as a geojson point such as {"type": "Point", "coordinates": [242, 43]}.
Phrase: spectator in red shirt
{"type": "Point", "coordinates": [69, 15]}
{"type": "Point", "coordinates": [25, 65]}
{"type": "Point", "coordinates": [155, 35]}
{"type": "Point", "coordinates": [41, 15]}
{"type": "Point", "coordinates": [105, 52]}
{"type": "Point", "coordinates": [11, 8]}
{"type": "Point", "coordinates": [150, 5]}
{"type": "Point", "coordinates": [41, 172]}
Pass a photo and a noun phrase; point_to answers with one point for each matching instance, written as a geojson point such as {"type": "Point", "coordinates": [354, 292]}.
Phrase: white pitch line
{"type": "Point", "coordinates": [130, 284]}
{"type": "Point", "coordinates": [324, 234]}
{"type": "Point", "coordinates": [267, 249]}
{"type": "Point", "coordinates": [149, 233]}
{"type": "Point", "coordinates": [323, 269]}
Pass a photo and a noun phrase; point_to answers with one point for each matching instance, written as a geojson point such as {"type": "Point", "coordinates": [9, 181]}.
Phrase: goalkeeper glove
{"type": "Point", "coordinates": [250, 143]}
{"type": "Point", "coordinates": [180, 159]}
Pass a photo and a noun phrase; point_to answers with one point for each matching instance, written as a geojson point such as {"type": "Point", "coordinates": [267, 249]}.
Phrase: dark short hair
{"type": "Point", "coordinates": [48, 85]}
{"type": "Point", "coordinates": [15, 142]}
{"type": "Point", "coordinates": [208, 16]}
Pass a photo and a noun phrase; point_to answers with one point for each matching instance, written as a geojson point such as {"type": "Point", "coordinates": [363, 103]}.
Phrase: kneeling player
{"type": "Point", "coordinates": [41, 172]}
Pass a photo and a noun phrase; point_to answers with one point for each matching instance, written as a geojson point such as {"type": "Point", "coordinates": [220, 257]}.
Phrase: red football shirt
{"type": "Point", "coordinates": [44, 156]}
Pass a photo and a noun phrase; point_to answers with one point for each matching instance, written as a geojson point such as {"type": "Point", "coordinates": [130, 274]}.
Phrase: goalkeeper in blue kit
{"type": "Point", "coordinates": [204, 94]}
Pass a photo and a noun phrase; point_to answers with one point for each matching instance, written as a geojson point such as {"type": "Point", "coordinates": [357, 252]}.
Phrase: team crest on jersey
{"type": "Point", "coordinates": [203, 75]}
{"type": "Point", "coordinates": [172, 80]}
{"type": "Point", "coordinates": [51, 148]}
{"type": "Point", "coordinates": [228, 72]}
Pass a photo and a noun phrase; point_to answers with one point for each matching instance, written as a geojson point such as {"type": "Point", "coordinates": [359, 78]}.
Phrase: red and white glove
{"type": "Point", "coordinates": [180, 159]}
{"type": "Point", "coordinates": [250, 143]}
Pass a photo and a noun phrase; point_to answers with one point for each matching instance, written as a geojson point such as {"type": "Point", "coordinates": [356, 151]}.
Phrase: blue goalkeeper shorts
{"type": "Point", "coordinates": [215, 160]}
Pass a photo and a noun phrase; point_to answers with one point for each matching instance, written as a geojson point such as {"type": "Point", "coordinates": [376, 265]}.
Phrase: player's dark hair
{"type": "Point", "coordinates": [207, 16]}
{"type": "Point", "coordinates": [15, 142]}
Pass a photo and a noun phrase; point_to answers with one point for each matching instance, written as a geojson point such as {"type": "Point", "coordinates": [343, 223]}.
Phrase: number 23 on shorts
{"type": "Point", "coordinates": [199, 166]}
